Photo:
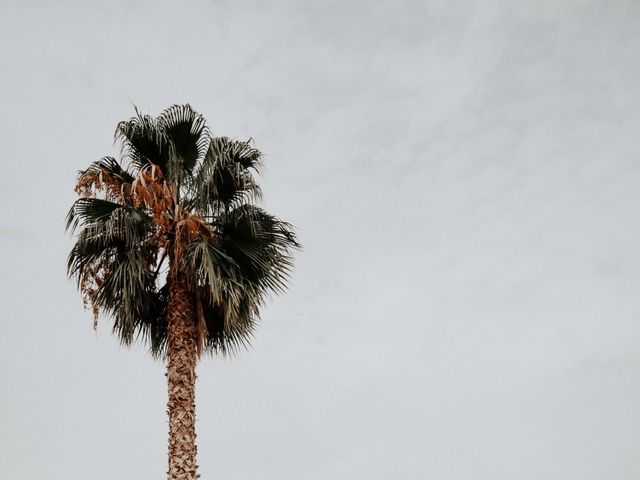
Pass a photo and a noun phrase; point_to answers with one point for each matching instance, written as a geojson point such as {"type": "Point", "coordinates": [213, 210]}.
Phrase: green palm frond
{"type": "Point", "coordinates": [127, 291]}
{"type": "Point", "coordinates": [211, 266]}
{"type": "Point", "coordinates": [226, 303]}
{"type": "Point", "coordinates": [224, 179]}
{"type": "Point", "coordinates": [251, 257]}
{"type": "Point", "coordinates": [242, 153]}
{"type": "Point", "coordinates": [113, 262]}
{"type": "Point", "coordinates": [260, 244]}
{"type": "Point", "coordinates": [103, 218]}
{"type": "Point", "coordinates": [188, 134]}
{"type": "Point", "coordinates": [144, 141]}
{"type": "Point", "coordinates": [153, 327]}
{"type": "Point", "coordinates": [222, 336]}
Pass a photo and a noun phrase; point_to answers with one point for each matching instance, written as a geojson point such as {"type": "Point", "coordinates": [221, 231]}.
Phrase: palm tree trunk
{"type": "Point", "coordinates": [181, 380]}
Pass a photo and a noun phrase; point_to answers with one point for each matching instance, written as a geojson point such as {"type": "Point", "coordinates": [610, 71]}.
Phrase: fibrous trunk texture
{"type": "Point", "coordinates": [181, 380]}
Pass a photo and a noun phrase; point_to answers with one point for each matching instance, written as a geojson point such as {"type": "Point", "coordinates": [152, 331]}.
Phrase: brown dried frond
{"type": "Point", "coordinates": [93, 277]}
{"type": "Point", "coordinates": [151, 191]}
{"type": "Point", "coordinates": [192, 226]}
{"type": "Point", "coordinates": [97, 179]}
{"type": "Point", "coordinates": [85, 185]}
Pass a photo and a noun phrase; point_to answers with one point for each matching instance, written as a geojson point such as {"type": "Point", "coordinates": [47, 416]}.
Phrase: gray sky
{"type": "Point", "coordinates": [465, 179]}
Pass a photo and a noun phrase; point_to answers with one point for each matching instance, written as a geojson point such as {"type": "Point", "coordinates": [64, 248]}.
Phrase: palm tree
{"type": "Point", "coordinates": [171, 246]}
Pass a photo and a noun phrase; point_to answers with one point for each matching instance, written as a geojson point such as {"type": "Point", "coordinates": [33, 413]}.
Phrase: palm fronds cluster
{"type": "Point", "coordinates": [180, 201]}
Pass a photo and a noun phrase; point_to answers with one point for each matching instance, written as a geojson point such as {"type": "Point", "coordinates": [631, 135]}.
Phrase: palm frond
{"type": "Point", "coordinates": [223, 303]}
{"type": "Point", "coordinates": [260, 244]}
{"type": "Point", "coordinates": [144, 142]}
{"type": "Point", "coordinates": [110, 166]}
{"type": "Point", "coordinates": [153, 326]}
{"type": "Point", "coordinates": [222, 336]}
{"type": "Point", "coordinates": [224, 179]}
{"type": "Point", "coordinates": [113, 261]}
{"type": "Point", "coordinates": [105, 218]}
{"type": "Point", "coordinates": [250, 258]}
{"type": "Point", "coordinates": [242, 153]}
{"type": "Point", "coordinates": [188, 133]}
{"type": "Point", "coordinates": [211, 266]}
{"type": "Point", "coordinates": [126, 290]}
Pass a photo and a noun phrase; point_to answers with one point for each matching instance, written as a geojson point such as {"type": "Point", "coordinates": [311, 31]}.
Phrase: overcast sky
{"type": "Point", "coordinates": [465, 177]}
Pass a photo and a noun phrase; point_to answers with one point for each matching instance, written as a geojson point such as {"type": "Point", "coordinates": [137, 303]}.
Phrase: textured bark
{"type": "Point", "coordinates": [181, 379]}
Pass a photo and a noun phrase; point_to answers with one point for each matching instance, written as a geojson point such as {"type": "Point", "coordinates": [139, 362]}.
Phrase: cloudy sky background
{"type": "Point", "coordinates": [465, 178]}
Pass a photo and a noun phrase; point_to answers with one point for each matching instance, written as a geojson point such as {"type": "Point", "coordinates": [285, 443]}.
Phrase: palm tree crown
{"type": "Point", "coordinates": [180, 201]}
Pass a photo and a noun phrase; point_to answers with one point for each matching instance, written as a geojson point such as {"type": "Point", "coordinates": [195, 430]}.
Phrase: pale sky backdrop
{"type": "Point", "coordinates": [465, 176]}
